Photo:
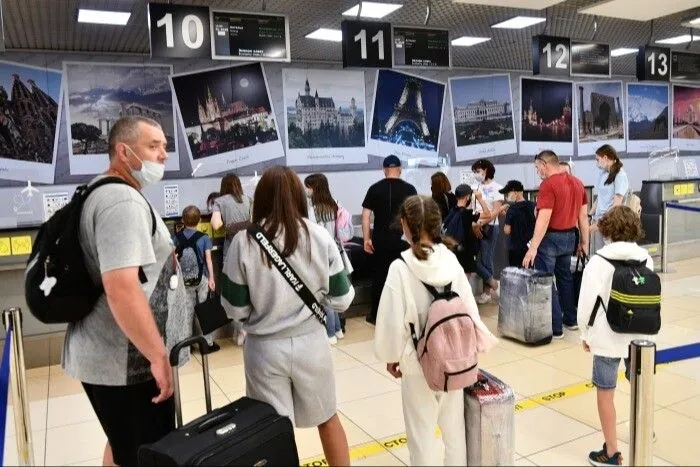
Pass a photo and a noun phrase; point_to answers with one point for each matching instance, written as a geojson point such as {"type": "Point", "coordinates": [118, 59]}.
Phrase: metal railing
{"type": "Point", "coordinates": [678, 205]}
{"type": "Point", "coordinates": [642, 370]}
{"type": "Point", "coordinates": [12, 319]}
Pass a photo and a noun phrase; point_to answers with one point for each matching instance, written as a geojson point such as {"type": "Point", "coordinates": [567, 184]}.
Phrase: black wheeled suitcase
{"type": "Point", "coordinates": [245, 432]}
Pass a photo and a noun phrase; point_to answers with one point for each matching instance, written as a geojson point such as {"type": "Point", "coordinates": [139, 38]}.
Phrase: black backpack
{"type": "Point", "coordinates": [57, 285]}
{"type": "Point", "coordinates": [634, 306]}
{"type": "Point", "coordinates": [191, 264]}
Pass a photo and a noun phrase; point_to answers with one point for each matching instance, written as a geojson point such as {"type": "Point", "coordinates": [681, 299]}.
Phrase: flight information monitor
{"type": "Point", "coordinates": [421, 47]}
{"type": "Point", "coordinates": [249, 36]}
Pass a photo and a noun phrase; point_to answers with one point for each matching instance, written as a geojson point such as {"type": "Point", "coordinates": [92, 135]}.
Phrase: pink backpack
{"type": "Point", "coordinates": [344, 230]}
{"type": "Point", "coordinates": [447, 350]}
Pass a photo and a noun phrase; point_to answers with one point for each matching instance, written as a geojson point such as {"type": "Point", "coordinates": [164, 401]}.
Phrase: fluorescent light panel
{"type": "Point", "coordinates": [467, 41]}
{"type": "Point", "coordinates": [622, 51]}
{"type": "Point", "coordinates": [324, 34]}
{"type": "Point", "coordinates": [119, 18]}
{"type": "Point", "coordinates": [373, 9]}
{"type": "Point", "coordinates": [695, 21]}
{"type": "Point", "coordinates": [519, 22]}
{"type": "Point", "coordinates": [684, 39]}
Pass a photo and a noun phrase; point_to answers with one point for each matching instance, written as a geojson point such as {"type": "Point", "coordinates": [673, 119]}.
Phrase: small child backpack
{"type": "Point", "coordinates": [634, 306]}
{"type": "Point", "coordinates": [344, 230]}
{"type": "Point", "coordinates": [190, 263]}
{"type": "Point", "coordinates": [447, 349]}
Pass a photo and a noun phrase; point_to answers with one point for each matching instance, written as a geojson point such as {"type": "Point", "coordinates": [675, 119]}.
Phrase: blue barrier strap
{"type": "Point", "coordinates": [4, 383]}
{"type": "Point", "coordinates": [674, 354]}
{"type": "Point", "coordinates": [682, 207]}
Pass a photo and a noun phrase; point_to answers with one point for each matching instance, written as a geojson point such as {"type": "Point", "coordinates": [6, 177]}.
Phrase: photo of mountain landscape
{"type": "Point", "coordinates": [647, 117]}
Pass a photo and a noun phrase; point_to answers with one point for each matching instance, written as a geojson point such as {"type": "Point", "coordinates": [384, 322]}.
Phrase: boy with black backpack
{"type": "Point", "coordinates": [458, 225]}
{"type": "Point", "coordinates": [620, 301]}
{"type": "Point", "coordinates": [193, 250]}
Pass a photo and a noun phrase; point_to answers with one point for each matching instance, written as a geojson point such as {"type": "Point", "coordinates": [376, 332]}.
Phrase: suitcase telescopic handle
{"type": "Point", "coordinates": [175, 360]}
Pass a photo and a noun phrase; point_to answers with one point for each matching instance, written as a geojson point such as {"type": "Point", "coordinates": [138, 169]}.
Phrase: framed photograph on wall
{"type": "Point", "coordinates": [600, 116]}
{"type": "Point", "coordinates": [686, 117]}
{"type": "Point", "coordinates": [647, 117]}
{"type": "Point", "coordinates": [30, 106]}
{"type": "Point", "coordinates": [324, 117]}
{"type": "Point", "coordinates": [547, 116]}
{"type": "Point", "coordinates": [482, 115]}
{"type": "Point", "coordinates": [227, 118]}
{"type": "Point", "coordinates": [99, 94]}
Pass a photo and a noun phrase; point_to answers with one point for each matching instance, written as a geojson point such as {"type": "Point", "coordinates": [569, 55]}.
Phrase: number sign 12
{"type": "Point", "coordinates": [179, 31]}
{"type": "Point", "coordinates": [551, 55]}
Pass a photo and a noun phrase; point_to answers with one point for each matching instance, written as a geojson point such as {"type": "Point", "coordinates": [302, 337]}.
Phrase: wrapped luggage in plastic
{"type": "Point", "coordinates": [525, 306]}
{"type": "Point", "coordinates": [489, 407]}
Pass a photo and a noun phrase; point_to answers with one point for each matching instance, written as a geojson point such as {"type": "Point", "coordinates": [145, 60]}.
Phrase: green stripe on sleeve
{"type": "Point", "coordinates": [338, 284]}
{"type": "Point", "coordinates": [236, 294]}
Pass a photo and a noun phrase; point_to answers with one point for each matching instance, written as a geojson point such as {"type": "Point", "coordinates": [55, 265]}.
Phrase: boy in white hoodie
{"type": "Point", "coordinates": [404, 301]}
{"type": "Point", "coordinates": [621, 229]}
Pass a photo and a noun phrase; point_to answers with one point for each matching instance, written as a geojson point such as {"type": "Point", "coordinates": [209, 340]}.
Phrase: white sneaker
{"type": "Point", "coordinates": [340, 335]}
{"type": "Point", "coordinates": [240, 340]}
{"type": "Point", "coordinates": [483, 299]}
{"type": "Point", "coordinates": [573, 327]}
{"type": "Point", "coordinates": [333, 340]}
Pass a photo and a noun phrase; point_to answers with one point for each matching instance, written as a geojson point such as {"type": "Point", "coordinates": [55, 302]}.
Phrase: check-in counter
{"type": "Point", "coordinates": [682, 227]}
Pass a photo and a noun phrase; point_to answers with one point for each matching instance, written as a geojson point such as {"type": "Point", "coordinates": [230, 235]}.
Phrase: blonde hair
{"type": "Point", "coordinates": [421, 214]}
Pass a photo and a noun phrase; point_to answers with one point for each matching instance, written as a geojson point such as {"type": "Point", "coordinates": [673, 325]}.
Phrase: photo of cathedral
{"type": "Point", "coordinates": [225, 109]}
{"type": "Point", "coordinates": [546, 110]}
{"type": "Point", "coordinates": [29, 106]}
{"type": "Point", "coordinates": [324, 109]}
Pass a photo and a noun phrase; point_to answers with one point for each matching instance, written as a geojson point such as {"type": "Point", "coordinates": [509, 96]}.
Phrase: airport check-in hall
{"type": "Point", "coordinates": [349, 232]}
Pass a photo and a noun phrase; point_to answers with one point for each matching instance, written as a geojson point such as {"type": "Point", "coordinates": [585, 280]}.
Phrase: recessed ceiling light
{"type": "Point", "coordinates": [622, 51]}
{"type": "Point", "coordinates": [519, 22]}
{"type": "Point", "coordinates": [373, 9]}
{"type": "Point", "coordinates": [324, 34]}
{"type": "Point", "coordinates": [467, 41]}
{"type": "Point", "coordinates": [119, 18]}
{"type": "Point", "coordinates": [695, 21]}
{"type": "Point", "coordinates": [685, 38]}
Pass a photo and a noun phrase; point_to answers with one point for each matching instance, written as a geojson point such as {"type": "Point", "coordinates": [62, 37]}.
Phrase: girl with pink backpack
{"type": "Point", "coordinates": [429, 332]}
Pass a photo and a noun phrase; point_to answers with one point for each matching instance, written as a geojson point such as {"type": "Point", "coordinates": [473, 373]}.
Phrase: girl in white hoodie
{"type": "Point", "coordinates": [405, 300]}
{"type": "Point", "coordinates": [621, 229]}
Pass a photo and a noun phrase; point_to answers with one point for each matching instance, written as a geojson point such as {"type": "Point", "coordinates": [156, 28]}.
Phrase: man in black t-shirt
{"type": "Point", "coordinates": [519, 224]}
{"type": "Point", "coordinates": [384, 199]}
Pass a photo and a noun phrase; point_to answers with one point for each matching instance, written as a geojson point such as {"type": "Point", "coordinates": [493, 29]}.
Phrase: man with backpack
{"type": "Point", "coordinates": [193, 249]}
{"type": "Point", "coordinates": [119, 351]}
{"type": "Point", "coordinates": [458, 226]}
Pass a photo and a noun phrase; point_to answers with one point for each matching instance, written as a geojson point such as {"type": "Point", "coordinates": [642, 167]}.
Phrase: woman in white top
{"type": "Point", "coordinates": [406, 300]}
{"type": "Point", "coordinates": [487, 229]}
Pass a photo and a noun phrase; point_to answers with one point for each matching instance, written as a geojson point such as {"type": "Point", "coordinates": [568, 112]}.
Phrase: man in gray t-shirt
{"type": "Point", "coordinates": [120, 350]}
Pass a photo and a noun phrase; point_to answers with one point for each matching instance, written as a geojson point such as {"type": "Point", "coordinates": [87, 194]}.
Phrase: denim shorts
{"type": "Point", "coordinates": [605, 371]}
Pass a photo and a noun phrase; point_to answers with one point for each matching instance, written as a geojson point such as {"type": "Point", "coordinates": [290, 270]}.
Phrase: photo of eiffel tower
{"type": "Point", "coordinates": [407, 111]}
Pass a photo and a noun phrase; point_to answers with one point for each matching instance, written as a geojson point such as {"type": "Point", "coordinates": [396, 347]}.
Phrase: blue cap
{"type": "Point", "coordinates": [391, 161]}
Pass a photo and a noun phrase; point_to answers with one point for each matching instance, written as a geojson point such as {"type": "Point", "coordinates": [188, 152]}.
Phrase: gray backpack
{"type": "Point", "coordinates": [191, 264]}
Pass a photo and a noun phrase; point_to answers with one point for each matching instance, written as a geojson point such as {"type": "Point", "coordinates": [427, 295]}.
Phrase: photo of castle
{"type": "Point", "coordinates": [28, 112]}
{"type": "Point", "coordinates": [546, 110]}
{"type": "Point", "coordinates": [99, 94]}
{"type": "Point", "coordinates": [324, 109]}
{"type": "Point", "coordinates": [225, 109]}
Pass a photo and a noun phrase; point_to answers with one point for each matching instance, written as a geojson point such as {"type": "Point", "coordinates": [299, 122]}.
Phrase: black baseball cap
{"type": "Point", "coordinates": [512, 185]}
{"type": "Point", "coordinates": [463, 190]}
{"type": "Point", "coordinates": [391, 161]}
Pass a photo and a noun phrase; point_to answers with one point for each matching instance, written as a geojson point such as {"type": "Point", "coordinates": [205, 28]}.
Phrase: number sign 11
{"type": "Point", "coordinates": [179, 31]}
{"type": "Point", "coordinates": [366, 44]}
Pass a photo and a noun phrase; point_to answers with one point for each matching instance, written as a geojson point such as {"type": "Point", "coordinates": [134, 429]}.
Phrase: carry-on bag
{"type": "Point", "coordinates": [244, 432]}
{"type": "Point", "coordinates": [489, 407]}
{"type": "Point", "coordinates": [577, 268]}
{"type": "Point", "coordinates": [525, 306]}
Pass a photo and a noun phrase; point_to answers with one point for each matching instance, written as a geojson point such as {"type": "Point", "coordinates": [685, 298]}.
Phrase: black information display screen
{"type": "Point", "coordinates": [685, 66]}
{"type": "Point", "coordinates": [249, 36]}
{"type": "Point", "coordinates": [421, 47]}
{"type": "Point", "coordinates": [590, 59]}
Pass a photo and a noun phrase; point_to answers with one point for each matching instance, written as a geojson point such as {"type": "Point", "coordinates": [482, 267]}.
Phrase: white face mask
{"type": "Point", "coordinates": [479, 177]}
{"type": "Point", "coordinates": [151, 172]}
{"type": "Point", "coordinates": [309, 193]}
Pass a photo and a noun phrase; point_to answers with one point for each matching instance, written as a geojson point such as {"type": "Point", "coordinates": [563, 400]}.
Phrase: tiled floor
{"type": "Point", "coordinates": [369, 400]}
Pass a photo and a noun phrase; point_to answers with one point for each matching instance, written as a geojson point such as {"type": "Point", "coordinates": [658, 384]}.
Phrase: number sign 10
{"type": "Point", "coordinates": [187, 21]}
{"type": "Point", "coordinates": [361, 37]}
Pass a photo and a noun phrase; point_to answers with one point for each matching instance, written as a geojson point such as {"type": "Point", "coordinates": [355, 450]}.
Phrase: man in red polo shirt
{"type": "Point", "coordinates": [561, 206]}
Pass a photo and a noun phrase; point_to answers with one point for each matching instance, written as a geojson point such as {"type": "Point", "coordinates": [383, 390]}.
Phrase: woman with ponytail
{"type": "Point", "coordinates": [405, 301]}
{"type": "Point", "coordinates": [612, 187]}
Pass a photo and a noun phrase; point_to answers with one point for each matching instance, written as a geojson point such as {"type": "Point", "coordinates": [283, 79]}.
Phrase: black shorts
{"type": "Point", "coordinates": [129, 418]}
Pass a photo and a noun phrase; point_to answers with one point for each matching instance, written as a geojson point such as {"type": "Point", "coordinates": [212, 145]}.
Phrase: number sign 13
{"type": "Point", "coordinates": [551, 55]}
{"type": "Point", "coordinates": [653, 64]}
{"type": "Point", "coordinates": [366, 44]}
{"type": "Point", "coordinates": [179, 31]}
